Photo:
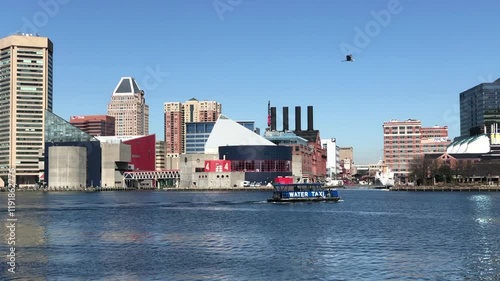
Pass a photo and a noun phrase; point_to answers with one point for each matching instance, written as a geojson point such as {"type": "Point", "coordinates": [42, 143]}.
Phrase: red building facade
{"type": "Point", "coordinates": [143, 153]}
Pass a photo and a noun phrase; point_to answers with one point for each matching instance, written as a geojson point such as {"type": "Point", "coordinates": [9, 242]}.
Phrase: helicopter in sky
{"type": "Point", "coordinates": [348, 58]}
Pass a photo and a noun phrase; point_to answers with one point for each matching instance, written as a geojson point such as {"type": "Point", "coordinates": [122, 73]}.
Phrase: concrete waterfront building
{"type": "Point", "coordinates": [66, 166]}
{"type": "Point", "coordinates": [479, 109]}
{"type": "Point", "coordinates": [142, 150]}
{"type": "Point", "coordinates": [177, 114]}
{"type": "Point", "coordinates": [25, 95]}
{"type": "Point", "coordinates": [74, 159]}
{"type": "Point", "coordinates": [94, 125]}
{"type": "Point", "coordinates": [403, 140]}
{"type": "Point", "coordinates": [61, 162]}
{"type": "Point", "coordinates": [115, 159]}
{"type": "Point", "coordinates": [128, 107]}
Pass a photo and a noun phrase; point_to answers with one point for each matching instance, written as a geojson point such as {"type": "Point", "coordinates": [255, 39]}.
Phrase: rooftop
{"type": "Point", "coordinates": [127, 86]}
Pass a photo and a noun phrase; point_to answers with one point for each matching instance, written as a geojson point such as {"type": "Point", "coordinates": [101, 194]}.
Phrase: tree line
{"type": "Point", "coordinates": [425, 171]}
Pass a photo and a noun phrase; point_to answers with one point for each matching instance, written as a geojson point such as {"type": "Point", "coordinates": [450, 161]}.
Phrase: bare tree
{"type": "Point", "coordinates": [468, 170]}
{"type": "Point", "coordinates": [458, 170]}
{"type": "Point", "coordinates": [444, 172]}
{"type": "Point", "coordinates": [417, 169]}
{"type": "Point", "coordinates": [422, 169]}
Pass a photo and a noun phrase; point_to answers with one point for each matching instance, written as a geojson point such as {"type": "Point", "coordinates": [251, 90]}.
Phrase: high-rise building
{"type": "Point", "coordinates": [401, 145]}
{"type": "Point", "coordinates": [25, 94]}
{"type": "Point", "coordinates": [94, 125]}
{"type": "Point", "coordinates": [178, 114]}
{"type": "Point", "coordinates": [128, 107]}
{"type": "Point", "coordinates": [403, 140]}
{"type": "Point", "coordinates": [479, 108]}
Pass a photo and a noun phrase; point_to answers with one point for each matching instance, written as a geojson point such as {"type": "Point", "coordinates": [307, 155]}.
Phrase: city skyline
{"type": "Point", "coordinates": [243, 56]}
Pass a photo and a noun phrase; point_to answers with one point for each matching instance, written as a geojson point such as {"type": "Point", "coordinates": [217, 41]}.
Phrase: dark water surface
{"type": "Point", "coordinates": [154, 235]}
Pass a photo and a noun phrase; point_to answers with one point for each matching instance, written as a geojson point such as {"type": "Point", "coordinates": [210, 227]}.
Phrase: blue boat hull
{"type": "Point", "coordinates": [305, 196]}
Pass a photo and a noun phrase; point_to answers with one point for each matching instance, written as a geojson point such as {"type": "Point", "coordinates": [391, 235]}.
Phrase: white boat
{"type": "Point", "coordinates": [385, 177]}
{"type": "Point", "coordinates": [334, 183]}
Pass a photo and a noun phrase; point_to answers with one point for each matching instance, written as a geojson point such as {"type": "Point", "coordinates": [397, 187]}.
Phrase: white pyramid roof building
{"type": "Point", "coordinates": [229, 132]}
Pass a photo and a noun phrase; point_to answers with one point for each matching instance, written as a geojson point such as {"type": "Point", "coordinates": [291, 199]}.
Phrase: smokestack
{"type": "Point", "coordinates": [273, 118]}
{"type": "Point", "coordinates": [269, 114]}
{"type": "Point", "coordinates": [285, 118]}
{"type": "Point", "coordinates": [297, 119]}
{"type": "Point", "coordinates": [310, 118]}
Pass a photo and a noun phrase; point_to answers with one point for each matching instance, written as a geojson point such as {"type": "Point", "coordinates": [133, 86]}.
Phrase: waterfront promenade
{"type": "Point", "coordinates": [96, 189]}
{"type": "Point", "coordinates": [450, 187]}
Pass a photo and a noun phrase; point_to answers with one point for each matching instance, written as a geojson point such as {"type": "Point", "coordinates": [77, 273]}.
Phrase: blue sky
{"type": "Point", "coordinates": [243, 53]}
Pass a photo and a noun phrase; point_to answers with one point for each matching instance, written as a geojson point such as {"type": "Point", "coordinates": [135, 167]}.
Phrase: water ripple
{"type": "Point", "coordinates": [239, 236]}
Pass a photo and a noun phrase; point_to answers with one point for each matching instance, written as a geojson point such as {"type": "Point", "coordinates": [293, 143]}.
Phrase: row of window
{"type": "Point", "coordinates": [261, 166]}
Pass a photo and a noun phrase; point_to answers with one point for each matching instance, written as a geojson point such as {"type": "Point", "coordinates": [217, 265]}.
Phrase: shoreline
{"type": "Point", "coordinates": [167, 189]}
{"type": "Point", "coordinates": [448, 188]}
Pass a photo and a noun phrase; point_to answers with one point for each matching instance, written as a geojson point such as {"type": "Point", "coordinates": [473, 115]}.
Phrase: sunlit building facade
{"type": "Point", "coordinates": [128, 107]}
{"type": "Point", "coordinates": [25, 94]}
{"type": "Point", "coordinates": [177, 114]}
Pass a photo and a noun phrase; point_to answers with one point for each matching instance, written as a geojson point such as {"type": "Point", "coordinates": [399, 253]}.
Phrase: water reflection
{"type": "Point", "coordinates": [483, 257]}
{"type": "Point", "coordinates": [30, 242]}
{"type": "Point", "coordinates": [234, 236]}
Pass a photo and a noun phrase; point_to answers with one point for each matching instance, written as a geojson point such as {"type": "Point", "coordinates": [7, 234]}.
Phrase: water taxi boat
{"type": "Point", "coordinates": [303, 192]}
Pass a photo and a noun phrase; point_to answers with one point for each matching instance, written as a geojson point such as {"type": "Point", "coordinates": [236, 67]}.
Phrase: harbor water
{"type": "Point", "coordinates": [158, 235]}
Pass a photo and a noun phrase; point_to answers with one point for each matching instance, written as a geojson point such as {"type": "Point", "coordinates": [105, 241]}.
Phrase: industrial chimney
{"type": "Point", "coordinates": [285, 118]}
{"type": "Point", "coordinates": [310, 123]}
{"type": "Point", "coordinates": [297, 119]}
{"type": "Point", "coordinates": [273, 118]}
